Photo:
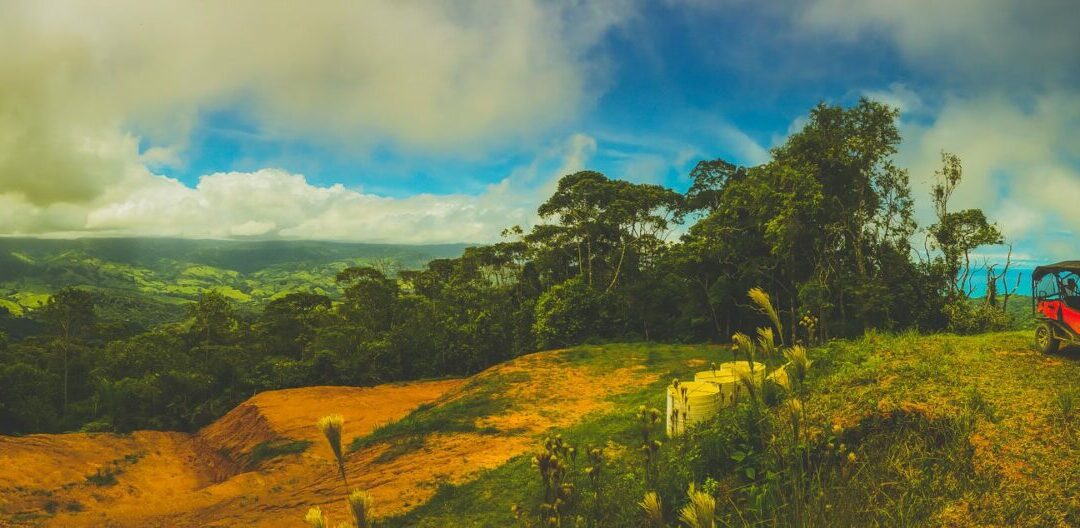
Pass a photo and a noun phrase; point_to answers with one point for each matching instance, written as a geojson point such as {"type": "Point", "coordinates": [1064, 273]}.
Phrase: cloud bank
{"type": "Point", "coordinates": [94, 95]}
{"type": "Point", "coordinates": [1004, 96]}
{"type": "Point", "coordinates": [100, 98]}
{"type": "Point", "coordinates": [273, 203]}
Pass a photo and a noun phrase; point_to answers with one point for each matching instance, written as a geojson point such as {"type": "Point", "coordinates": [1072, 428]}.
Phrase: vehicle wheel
{"type": "Point", "coordinates": [1045, 340]}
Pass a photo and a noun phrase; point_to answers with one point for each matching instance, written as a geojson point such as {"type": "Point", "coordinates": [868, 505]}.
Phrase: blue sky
{"type": "Point", "coordinates": [676, 79]}
{"type": "Point", "coordinates": [418, 122]}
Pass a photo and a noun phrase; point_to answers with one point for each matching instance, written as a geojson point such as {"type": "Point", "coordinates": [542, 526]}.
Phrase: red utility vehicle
{"type": "Point", "coordinates": [1056, 297]}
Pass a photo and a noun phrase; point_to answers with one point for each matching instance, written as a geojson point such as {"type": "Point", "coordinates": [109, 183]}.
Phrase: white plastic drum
{"type": "Point", "coordinates": [689, 403]}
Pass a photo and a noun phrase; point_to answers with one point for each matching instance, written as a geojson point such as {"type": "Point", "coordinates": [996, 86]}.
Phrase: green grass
{"type": "Point", "coordinates": [102, 477]}
{"type": "Point", "coordinates": [946, 430]}
{"type": "Point", "coordinates": [271, 449]}
{"type": "Point", "coordinates": [1026, 460]}
{"type": "Point", "coordinates": [401, 446]}
{"type": "Point", "coordinates": [487, 500]}
{"type": "Point", "coordinates": [479, 399]}
{"type": "Point", "coordinates": [12, 307]}
{"type": "Point", "coordinates": [106, 475]}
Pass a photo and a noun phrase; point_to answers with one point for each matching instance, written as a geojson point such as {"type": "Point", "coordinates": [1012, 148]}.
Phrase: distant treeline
{"type": "Point", "coordinates": [826, 227]}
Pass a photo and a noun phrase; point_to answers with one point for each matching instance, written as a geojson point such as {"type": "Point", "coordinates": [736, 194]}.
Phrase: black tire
{"type": "Point", "coordinates": [1045, 340]}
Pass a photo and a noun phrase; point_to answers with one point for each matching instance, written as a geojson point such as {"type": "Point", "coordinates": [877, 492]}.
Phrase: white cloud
{"type": "Point", "coordinates": [746, 150]}
{"type": "Point", "coordinates": [79, 78]}
{"type": "Point", "coordinates": [644, 168]}
{"type": "Point", "coordinates": [1019, 164]}
{"type": "Point", "coordinates": [272, 203]}
{"type": "Point", "coordinates": [1016, 43]}
{"type": "Point", "coordinates": [898, 96]}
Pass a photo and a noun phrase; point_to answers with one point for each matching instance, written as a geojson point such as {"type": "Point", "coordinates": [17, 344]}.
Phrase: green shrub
{"type": "Point", "coordinates": [564, 314]}
{"type": "Point", "coordinates": [106, 477]}
{"type": "Point", "coordinates": [964, 316]}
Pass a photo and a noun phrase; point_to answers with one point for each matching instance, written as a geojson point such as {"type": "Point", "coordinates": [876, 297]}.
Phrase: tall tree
{"type": "Point", "coordinates": [70, 313]}
{"type": "Point", "coordinates": [288, 323]}
{"type": "Point", "coordinates": [957, 233]}
{"type": "Point", "coordinates": [212, 318]}
{"type": "Point", "coordinates": [608, 223]}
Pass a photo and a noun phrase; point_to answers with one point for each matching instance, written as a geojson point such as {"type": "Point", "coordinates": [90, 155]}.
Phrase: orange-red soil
{"type": "Point", "coordinates": [205, 479]}
{"type": "Point", "coordinates": [178, 479]}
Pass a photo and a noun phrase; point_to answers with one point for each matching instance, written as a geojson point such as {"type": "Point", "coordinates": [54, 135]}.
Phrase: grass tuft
{"type": "Point", "coordinates": [480, 399]}
{"type": "Point", "coordinates": [102, 477]}
{"type": "Point", "coordinates": [272, 449]}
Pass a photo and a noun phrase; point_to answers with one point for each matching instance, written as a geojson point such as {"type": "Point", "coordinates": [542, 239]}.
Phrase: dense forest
{"type": "Point", "coordinates": [827, 226]}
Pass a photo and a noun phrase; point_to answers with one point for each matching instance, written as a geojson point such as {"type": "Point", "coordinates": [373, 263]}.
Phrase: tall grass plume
{"type": "Point", "coordinates": [700, 511]}
{"type": "Point", "coordinates": [331, 427]}
{"type": "Point", "coordinates": [653, 509]}
{"type": "Point", "coordinates": [315, 518]}
{"type": "Point", "coordinates": [763, 303]}
{"type": "Point", "coordinates": [360, 503]}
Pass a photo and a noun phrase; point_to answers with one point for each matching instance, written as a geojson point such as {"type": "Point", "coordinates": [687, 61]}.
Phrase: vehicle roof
{"type": "Point", "coordinates": [1067, 265]}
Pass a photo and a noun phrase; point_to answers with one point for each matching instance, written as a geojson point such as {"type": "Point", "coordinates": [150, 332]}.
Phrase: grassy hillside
{"type": "Point", "coordinates": [944, 430]}
{"type": "Point", "coordinates": [900, 430]}
{"type": "Point", "coordinates": [148, 280]}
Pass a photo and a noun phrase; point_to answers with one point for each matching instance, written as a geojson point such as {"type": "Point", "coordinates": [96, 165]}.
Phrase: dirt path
{"type": "Point", "coordinates": [176, 479]}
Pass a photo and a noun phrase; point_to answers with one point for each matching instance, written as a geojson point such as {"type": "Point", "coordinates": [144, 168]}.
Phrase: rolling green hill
{"type": "Point", "coordinates": [901, 430]}
{"type": "Point", "coordinates": [149, 280]}
{"type": "Point", "coordinates": [889, 430]}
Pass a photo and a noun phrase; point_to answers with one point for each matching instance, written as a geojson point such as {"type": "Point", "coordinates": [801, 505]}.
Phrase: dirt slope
{"type": "Point", "coordinates": [177, 479]}
{"type": "Point", "coordinates": [206, 479]}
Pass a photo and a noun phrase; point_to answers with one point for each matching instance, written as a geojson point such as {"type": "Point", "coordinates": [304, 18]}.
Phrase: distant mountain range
{"type": "Point", "coordinates": [150, 279]}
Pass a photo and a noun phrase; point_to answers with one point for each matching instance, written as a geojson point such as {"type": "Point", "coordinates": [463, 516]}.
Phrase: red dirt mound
{"type": "Point", "coordinates": [179, 480]}
{"type": "Point", "coordinates": [152, 478]}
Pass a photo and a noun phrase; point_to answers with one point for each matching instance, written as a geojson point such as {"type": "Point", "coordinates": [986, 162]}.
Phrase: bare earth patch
{"type": "Point", "coordinates": [177, 479]}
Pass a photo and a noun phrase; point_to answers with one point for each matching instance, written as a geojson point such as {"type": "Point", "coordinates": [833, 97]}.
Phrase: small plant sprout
{"type": "Point", "coordinates": [315, 518]}
{"type": "Point", "coordinates": [360, 503]}
{"type": "Point", "coordinates": [795, 412]}
{"type": "Point", "coordinates": [700, 511]}
{"type": "Point", "coordinates": [653, 509]}
{"type": "Point", "coordinates": [1066, 408]}
{"type": "Point", "coordinates": [331, 427]}
{"type": "Point", "coordinates": [596, 464]}
{"type": "Point", "coordinates": [795, 408]}
{"type": "Point", "coordinates": [648, 419]}
{"type": "Point", "coordinates": [594, 471]}
{"type": "Point", "coordinates": [553, 466]}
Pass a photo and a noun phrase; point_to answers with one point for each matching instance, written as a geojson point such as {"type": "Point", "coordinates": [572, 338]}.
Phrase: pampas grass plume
{"type": "Point", "coordinates": [654, 510]}
{"type": "Point", "coordinates": [764, 305]}
{"type": "Point", "coordinates": [360, 502]}
{"type": "Point", "coordinates": [315, 518]}
{"type": "Point", "coordinates": [331, 427]}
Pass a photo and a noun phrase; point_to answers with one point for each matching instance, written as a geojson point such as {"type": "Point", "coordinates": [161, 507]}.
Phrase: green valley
{"type": "Point", "coordinates": [145, 282]}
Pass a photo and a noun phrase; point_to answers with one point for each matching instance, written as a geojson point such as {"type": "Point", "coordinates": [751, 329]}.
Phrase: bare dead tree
{"type": "Point", "coordinates": [993, 277]}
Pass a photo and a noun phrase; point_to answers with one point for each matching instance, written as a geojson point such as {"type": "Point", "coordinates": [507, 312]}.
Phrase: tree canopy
{"type": "Point", "coordinates": [826, 226]}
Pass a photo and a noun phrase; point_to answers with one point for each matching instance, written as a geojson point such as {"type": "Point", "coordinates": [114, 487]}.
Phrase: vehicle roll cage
{"type": "Point", "coordinates": [1072, 266]}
